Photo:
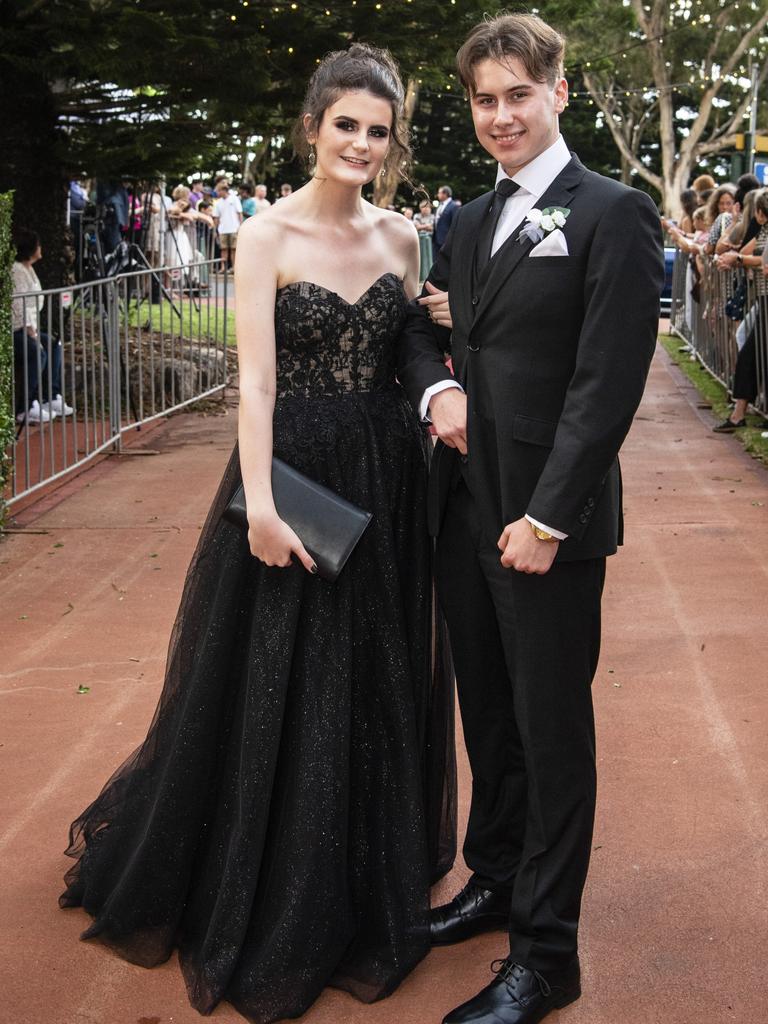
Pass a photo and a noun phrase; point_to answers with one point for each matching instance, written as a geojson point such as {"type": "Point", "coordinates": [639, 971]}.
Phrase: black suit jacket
{"type": "Point", "coordinates": [553, 353]}
{"type": "Point", "coordinates": [444, 223]}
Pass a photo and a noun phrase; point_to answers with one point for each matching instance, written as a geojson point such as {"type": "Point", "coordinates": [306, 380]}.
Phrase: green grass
{"type": "Point", "coordinates": [209, 321]}
{"type": "Point", "coordinates": [713, 392]}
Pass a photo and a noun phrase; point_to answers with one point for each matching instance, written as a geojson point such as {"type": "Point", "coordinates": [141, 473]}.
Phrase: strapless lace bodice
{"type": "Point", "coordinates": [328, 346]}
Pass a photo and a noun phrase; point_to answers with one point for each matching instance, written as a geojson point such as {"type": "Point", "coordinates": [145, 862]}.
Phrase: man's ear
{"type": "Point", "coordinates": [561, 95]}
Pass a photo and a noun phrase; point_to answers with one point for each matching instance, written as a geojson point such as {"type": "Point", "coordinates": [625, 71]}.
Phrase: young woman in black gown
{"type": "Point", "coordinates": [295, 796]}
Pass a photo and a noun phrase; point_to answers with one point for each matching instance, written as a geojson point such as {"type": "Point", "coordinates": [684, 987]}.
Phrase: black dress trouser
{"type": "Point", "coordinates": [525, 649]}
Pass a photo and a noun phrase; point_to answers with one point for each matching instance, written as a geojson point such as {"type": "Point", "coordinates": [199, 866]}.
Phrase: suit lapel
{"type": "Point", "coordinates": [509, 255]}
{"type": "Point", "coordinates": [470, 220]}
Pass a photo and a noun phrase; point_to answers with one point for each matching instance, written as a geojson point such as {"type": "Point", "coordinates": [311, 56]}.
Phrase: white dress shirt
{"type": "Point", "coordinates": [534, 179]}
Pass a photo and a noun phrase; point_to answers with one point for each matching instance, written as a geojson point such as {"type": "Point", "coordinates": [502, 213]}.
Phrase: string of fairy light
{"type": "Point", "coordinates": [688, 13]}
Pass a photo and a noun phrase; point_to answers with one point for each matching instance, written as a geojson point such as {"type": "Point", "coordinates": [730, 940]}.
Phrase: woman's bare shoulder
{"type": "Point", "coordinates": [397, 228]}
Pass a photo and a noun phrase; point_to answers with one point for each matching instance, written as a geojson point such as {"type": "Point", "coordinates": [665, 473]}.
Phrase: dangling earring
{"type": "Point", "coordinates": [312, 159]}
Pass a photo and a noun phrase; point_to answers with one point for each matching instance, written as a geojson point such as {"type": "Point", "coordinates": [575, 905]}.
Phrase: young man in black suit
{"type": "Point", "coordinates": [554, 282]}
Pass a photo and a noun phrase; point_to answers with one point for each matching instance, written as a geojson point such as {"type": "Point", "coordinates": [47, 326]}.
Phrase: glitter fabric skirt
{"type": "Point", "coordinates": [295, 795]}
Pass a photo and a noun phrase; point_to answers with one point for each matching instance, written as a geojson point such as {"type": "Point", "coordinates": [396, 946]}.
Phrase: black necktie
{"type": "Point", "coordinates": [504, 189]}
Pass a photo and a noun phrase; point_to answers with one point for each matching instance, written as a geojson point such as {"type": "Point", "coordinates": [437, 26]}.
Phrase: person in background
{"type": "Point", "coordinates": [261, 201]}
{"type": "Point", "coordinates": [206, 240]}
{"type": "Point", "coordinates": [704, 183]}
{"type": "Point", "coordinates": [112, 198]}
{"type": "Point", "coordinates": [285, 190]}
{"type": "Point", "coordinates": [744, 226]}
{"type": "Point", "coordinates": [750, 256]}
{"type": "Point", "coordinates": [195, 192]}
{"type": "Point", "coordinates": [132, 230]}
{"type": "Point", "coordinates": [407, 212]}
{"type": "Point", "coordinates": [229, 216]}
{"type": "Point", "coordinates": [78, 197]}
{"type": "Point", "coordinates": [689, 202]}
{"type": "Point", "coordinates": [247, 201]}
{"type": "Point", "coordinates": [692, 242]}
{"type": "Point", "coordinates": [446, 211]}
{"type": "Point", "coordinates": [744, 229]}
{"type": "Point", "coordinates": [33, 349]}
{"type": "Point", "coordinates": [155, 204]}
{"type": "Point", "coordinates": [424, 222]}
{"type": "Point", "coordinates": [720, 211]}
{"type": "Point", "coordinates": [705, 196]}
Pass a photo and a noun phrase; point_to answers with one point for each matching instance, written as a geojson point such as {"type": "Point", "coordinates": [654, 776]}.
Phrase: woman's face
{"type": "Point", "coordinates": [760, 216]}
{"type": "Point", "coordinates": [353, 138]}
{"type": "Point", "coordinates": [725, 203]}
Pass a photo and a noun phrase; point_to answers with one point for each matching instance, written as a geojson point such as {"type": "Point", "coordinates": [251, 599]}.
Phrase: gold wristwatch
{"type": "Point", "coordinates": [542, 534]}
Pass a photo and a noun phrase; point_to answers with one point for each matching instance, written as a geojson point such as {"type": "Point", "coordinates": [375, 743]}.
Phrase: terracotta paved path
{"type": "Point", "coordinates": [675, 925]}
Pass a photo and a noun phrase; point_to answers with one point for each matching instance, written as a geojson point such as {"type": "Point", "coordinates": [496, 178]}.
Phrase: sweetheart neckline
{"type": "Point", "coordinates": [330, 291]}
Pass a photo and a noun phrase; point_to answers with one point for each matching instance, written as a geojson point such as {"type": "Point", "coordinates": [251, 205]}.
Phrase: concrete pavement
{"type": "Point", "coordinates": [675, 917]}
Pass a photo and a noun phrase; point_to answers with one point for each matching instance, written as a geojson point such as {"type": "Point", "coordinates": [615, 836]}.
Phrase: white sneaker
{"type": "Point", "coordinates": [35, 414]}
{"type": "Point", "coordinates": [58, 407]}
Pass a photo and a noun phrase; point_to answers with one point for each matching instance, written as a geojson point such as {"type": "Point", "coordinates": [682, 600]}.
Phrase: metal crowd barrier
{"type": "Point", "coordinates": [119, 352]}
{"type": "Point", "coordinates": [700, 316]}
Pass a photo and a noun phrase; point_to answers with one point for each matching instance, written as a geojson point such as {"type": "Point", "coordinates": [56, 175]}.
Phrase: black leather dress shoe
{"type": "Point", "coordinates": [518, 995]}
{"type": "Point", "coordinates": [472, 911]}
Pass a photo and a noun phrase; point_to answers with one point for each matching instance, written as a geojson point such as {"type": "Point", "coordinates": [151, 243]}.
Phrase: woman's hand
{"type": "Point", "coordinates": [438, 310]}
{"type": "Point", "coordinates": [273, 542]}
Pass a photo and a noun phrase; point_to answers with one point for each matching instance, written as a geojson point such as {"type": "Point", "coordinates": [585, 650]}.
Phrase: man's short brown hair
{"type": "Point", "coordinates": [525, 37]}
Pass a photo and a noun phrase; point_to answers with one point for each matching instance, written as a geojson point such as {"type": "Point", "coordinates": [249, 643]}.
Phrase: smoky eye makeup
{"type": "Point", "coordinates": [346, 124]}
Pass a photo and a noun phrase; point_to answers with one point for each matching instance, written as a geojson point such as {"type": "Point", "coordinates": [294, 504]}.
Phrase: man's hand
{"type": "Point", "coordinates": [436, 302]}
{"type": "Point", "coordinates": [448, 412]}
{"type": "Point", "coordinates": [523, 551]}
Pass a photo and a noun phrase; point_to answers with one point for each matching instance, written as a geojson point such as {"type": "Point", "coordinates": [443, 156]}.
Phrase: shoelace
{"type": "Point", "coordinates": [511, 972]}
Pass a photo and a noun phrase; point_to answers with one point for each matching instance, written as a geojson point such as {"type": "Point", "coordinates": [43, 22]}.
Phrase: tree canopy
{"type": "Point", "coordinates": [150, 88]}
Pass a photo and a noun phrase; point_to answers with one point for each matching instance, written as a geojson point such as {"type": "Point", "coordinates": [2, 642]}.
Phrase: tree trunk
{"type": "Point", "coordinates": [385, 186]}
{"type": "Point", "coordinates": [30, 166]}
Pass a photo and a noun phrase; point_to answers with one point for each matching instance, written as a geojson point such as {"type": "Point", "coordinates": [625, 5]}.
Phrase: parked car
{"type": "Point", "coordinates": [670, 252]}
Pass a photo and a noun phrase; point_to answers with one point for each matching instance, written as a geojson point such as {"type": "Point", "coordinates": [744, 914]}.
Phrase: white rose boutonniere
{"type": "Point", "coordinates": [541, 222]}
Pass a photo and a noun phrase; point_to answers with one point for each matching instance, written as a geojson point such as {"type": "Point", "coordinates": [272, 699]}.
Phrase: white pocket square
{"type": "Point", "coordinates": [553, 245]}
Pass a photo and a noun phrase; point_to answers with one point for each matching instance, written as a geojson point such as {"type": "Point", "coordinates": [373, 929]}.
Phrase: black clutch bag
{"type": "Point", "coordinates": [328, 526]}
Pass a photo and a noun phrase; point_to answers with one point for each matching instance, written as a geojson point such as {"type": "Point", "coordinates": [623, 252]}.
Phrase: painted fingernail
{"type": "Point", "coordinates": [313, 569]}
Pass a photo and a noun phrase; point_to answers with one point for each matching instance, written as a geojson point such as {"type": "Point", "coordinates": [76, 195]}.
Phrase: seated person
{"type": "Point", "coordinates": [32, 348]}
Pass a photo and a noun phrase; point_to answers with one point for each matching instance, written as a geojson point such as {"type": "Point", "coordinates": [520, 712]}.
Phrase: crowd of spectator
{"type": "Point", "coordinates": [153, 219]}
{"type": "Point", "coordinates": [723, 232]}
{"type": "Point", "coordinates": [159, 223]}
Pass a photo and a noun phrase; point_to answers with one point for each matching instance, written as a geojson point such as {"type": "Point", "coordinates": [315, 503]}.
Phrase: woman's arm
{"type": "Point", "coordinates": [682, 241]}
{"type": "Point", "coordinates": [203, 216]}
{"type": "Point", "coordinates": [744, 257]}
{"type": "Point", "coordinates": [258, 248]}
{"type": "Point", "coordinates": [411, 253]}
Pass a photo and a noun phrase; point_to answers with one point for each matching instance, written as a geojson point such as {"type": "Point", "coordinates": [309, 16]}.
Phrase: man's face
{"type": "Point", "coordinates": [442, 195]}
{"type": "Point", "coordinates": [516, 118]}
{"type": "Point", "coordinates": [261, 192]}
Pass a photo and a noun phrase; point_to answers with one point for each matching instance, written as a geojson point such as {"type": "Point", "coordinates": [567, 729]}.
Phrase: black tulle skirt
{"type": "Point", "coordinates": [295, 795]}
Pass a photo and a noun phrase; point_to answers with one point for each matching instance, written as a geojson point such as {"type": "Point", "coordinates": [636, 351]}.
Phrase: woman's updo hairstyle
{"type": "Point", "coordinates": [361, 67]}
